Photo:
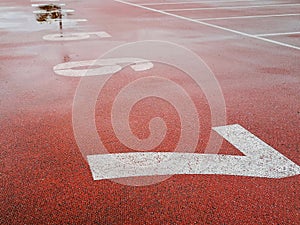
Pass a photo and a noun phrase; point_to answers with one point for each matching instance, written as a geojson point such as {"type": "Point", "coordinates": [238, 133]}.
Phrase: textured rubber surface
{"type": "Point", "coordinates": [46, 180]}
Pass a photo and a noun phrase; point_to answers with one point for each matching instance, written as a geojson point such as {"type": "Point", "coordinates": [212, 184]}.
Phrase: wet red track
{"type": "Point", "coordinates": [46, 180]}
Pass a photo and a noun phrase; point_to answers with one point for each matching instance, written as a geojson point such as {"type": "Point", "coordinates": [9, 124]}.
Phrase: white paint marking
{"type": "Point", "coordinates": [249, 17]}
{"type": "Point", "coordinates": [193, 2]}
{"type": "Point", "coordinates": [260, 160]}
{"type": "Point", "coordinates": [74, 36]}
{"type": "Point", "coordinates": [210, 25]}
{"type": "Point", "coordinates": [44, 4]}
{"type": "Point", "coordinates": [52, 11]}
{"type": "Point", "coordinates": [231, 7]}
{"type": "Point", "coordinates": [106, 66]}
{"type": "Point", "coordinates": [44, 0]}
{"type": "Point", "coordinates": [277, 34]}
{"type": "Point", "coordinates": [69, 20]}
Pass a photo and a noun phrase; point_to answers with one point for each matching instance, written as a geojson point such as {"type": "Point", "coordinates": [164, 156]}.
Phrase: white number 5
{"type": "Point", "coordinates": [106, 66]}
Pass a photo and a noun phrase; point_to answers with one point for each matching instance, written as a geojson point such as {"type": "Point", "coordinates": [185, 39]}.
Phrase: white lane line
{"type": "Point", "coordinates": [44, 0]}
{"type": "Point", "coordinates": [277, 34]}
{"type": "Point", "coordinates": [210, 25]}
{"type": "Point", "coordinates": [53, 11]}
{"type": "Point", "coordinates": [193, 2]}
{"type": "Point", "coordinates": [260, 160]}
{"type": "Point", "coordinates": [69, 20]}
{"type": "Point", "coordinates": [231, 7]}
{"type": "Point", "coordinates": [45, 4]}
{"type": "Point", "coordinates": [249, 17]}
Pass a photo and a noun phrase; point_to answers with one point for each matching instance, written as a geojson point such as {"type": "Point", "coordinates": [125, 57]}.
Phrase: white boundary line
{"type": "Point", "coordinates": [250, 17]}
{"type": "Point", "coordinates": [44, 0]}
{"type": "Point", "coordinates": [210, 25]}
{"type": "Point", "coordinates": [52, 11]}
{"type": "Point", "coordinates": [277, 34]}
{"type": "Point", "coordinates": [193, 2]}
{"type": "Point", "coordinates": [45, 4]}
{"type": "Point", "coordinates": [231, 7]}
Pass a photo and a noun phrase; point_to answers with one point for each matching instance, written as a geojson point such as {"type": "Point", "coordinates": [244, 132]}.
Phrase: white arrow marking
{"type": "Point", "coordinates": [260, 160]}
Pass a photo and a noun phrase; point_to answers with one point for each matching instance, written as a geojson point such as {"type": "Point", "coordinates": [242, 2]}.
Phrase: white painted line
{"type": "Point", "coordinates": [249, 17]}
{"type": "Point", "coordinates": [44, 0]}
{"type": "Point", "coordinates": [231, 7]}
{"type": "Point", "coordinates": [74, 36]}
{"type": "Point", "coordinates": [192, 2]}
{"type": "Point", "coordinates": [52, 11]}
{"type": "Point", "coordinates": [277, 34]}
{"type": "Point", "coordinates": [69, 20]}
{"type": "Point", "coordinates": [105, 66]}
{"type": "Point", "coordinates": [260, 160]}
{"type": "Point", "coordinates": [210, 25]}
{"type": "Point", "coordinates": [45, 4]}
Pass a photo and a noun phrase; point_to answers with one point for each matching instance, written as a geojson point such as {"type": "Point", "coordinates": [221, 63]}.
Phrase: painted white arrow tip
{"type": "Point", "coordinates": [264, 159]}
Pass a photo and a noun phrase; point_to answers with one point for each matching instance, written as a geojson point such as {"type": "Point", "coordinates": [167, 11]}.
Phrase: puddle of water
{"type": "Point", "coordinates": [49, 13]}
{"type": "Point", "coordinates": [49, 8]}
{"type": "Point", "coordinates": [47, 17]}
{"type": "Point", "coordinates": [4, 25]}
{"type": "Point", "coordinates": [11, 17]}
{"type": "Point", "coordinates": [52, 16]}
